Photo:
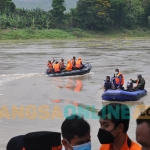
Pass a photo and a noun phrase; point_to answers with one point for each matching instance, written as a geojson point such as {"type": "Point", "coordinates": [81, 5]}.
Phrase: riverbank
{"type": "Point", "coordinates": [72, 34]}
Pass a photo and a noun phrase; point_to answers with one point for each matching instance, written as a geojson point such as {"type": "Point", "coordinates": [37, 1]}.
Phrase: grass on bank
{"type": "Point", "coordinates": [24, 34]}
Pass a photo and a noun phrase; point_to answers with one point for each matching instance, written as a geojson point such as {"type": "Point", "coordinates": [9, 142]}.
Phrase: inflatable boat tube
{"type": "Point", "coordinates": [86, 69]}
{"type": "Point", "coordinates": [123, 95]}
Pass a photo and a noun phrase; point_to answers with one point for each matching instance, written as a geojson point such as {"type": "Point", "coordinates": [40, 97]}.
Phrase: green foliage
{"type": "Point", "coordinates": [7, 5]}
{"type": "Point", "coordinates": [93, 14]}
{"type": "Point", "coordinates": [35, 19]}
{"type": "Point", "coordinates": [146, 6]}
{"type": "Point", "coordinates": [57, 11]}
{"type": "Point", "coordinates": [34, 34]}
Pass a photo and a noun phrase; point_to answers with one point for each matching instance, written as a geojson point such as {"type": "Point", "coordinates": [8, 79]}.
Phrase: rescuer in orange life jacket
{"type": "Point", "coordinates": [79, 63]}
{"type": "Point", "coordinates": [69, 66]}
{"type": "Point", "coordinates": [118, 79]}
{"type": "Point", "coordinates": [50, 66]}
{"type": "Point", "coordinates": [57, 67]}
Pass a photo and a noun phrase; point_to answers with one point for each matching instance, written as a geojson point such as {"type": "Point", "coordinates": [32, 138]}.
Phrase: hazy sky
{"type": "Point", "coordinates": [43, 4]}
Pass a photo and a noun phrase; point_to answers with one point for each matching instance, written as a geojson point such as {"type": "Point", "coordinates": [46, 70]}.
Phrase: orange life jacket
{"type": "Point", "coordinates": [69, 66]}
{"type": "Point", "coordinates": [57, 67]}
{"type": "Point", "coordinates": [117, 80]}
{"type": "Point", "coordinates": [50, 65]}
{"type": "Point", "coordinates": [78, 64]}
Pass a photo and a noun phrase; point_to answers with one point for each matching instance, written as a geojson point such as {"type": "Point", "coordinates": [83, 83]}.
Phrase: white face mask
{"type": "Point", "coordinates": [86, 146]}
{"type": "Point", "coordinates": [116, 72]}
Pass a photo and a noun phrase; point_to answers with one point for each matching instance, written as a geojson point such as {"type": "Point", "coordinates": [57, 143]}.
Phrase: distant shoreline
{"type": "Point", "coordinates": [74, 34]}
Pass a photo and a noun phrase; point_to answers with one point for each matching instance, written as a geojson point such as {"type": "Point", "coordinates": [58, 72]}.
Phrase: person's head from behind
{"type": "Point", "coordinates": [49, 61]}
{"type": "Point", "coordinates": [74, 57]}
{"type": "Point", "coordinates": [56, 62]}
{"type": "Point", "coordinates": [114, 122]}
{"type": "Point", "coordinates": [62, 60]}
{"type": "Point", "coordinates": [69, 61]}
{"type": "Point", "coordinates": [108, 78]}
{"type": "Point", "coordinates": [116, 71]}
{"type": "Point", "coordinates": [76, 133]}
{"type": "Point", "coordinates": [139, 76]}
{"type": "Point", "coordinates": [143, 129]}
{"type": "Point", "coordinates": [41, 140]}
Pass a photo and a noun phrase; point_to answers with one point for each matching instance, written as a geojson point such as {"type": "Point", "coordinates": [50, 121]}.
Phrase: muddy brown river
{"type": "Point", "coordinates": [31, 101]}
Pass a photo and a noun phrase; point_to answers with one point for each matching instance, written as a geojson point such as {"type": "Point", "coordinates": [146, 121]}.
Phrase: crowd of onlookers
{"type": "Point", "coordinates": [75, 130]}
{"type": "Point", "coordinates": [60, 66]}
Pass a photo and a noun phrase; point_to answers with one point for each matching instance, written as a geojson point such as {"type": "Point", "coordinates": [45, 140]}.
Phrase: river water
{"type": "Point", "coordinates": [31, 101]}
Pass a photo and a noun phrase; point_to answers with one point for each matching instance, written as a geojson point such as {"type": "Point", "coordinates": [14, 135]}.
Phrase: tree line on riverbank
{"type": "Point", "coordinates": [88, 15]}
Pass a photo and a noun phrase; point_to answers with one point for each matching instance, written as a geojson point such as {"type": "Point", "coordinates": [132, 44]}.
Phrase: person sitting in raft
{"type": "Point", "coordinates": [56, 67]}
{"type": "Point", "coordinates": [118, 79]}
{"type": "Point", "coordinates": [73, 61]}
{"type": "Point", "coordinates": [108, 84]}
{"type": "Point", "coordinates": [129, 86]}
{"type": "Point", "coordinates": [61, 63]}
{"type": "Point", "coordinates": [79, 63]}
{"type": "Point", "coordinates": [69, 66]}
{"type": "Point", "coordinates": [50, 66]}
{"type": "Point", "coordinates": [140, 82]}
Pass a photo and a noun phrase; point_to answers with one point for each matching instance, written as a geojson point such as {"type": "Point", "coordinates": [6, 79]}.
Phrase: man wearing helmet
{"type": "Point", "coordinates": [140, 82]}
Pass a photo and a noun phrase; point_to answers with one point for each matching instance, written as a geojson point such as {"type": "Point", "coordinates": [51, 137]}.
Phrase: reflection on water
{"type": "Point", "coordinates": [70, 84]}
{"type": "Point", "coordinates": [78, 86]}
{"type": "Point", "coordinates": [78, 105]}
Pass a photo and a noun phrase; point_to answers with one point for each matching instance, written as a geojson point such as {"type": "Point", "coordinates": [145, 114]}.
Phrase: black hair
{"type": "Point", "coordinates": [144, 117]}
{"type": "Point", "coordinates": [108, 77]}
{"type": "Point", "coordinates": [117, 70]}
{"type": "Point", "coordinates": [117, 113]}
{"type": "Point", "coordinates": [74, 125]}
{"type": "Point", "coordinates": [74, 57]}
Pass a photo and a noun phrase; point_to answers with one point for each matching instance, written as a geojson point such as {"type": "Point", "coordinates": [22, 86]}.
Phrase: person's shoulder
{"type": "Point", "coordinates": [104, 147]}
{"type": "Point", "coordinates": [135, 145]}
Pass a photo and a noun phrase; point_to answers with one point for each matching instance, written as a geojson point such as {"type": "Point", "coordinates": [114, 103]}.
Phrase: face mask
{"type": "Point", "coordinates": [116, 72]}
{"type": "Point", "coordinates": [105, 137]}
{"type": "Point", "coordinates": [86, 146]}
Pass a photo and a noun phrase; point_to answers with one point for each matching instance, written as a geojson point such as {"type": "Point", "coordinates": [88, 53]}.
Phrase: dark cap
{"type": "Point", "coordinates": [43, 140]}
{"type": "Point", "coordinates": [139, 76]}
